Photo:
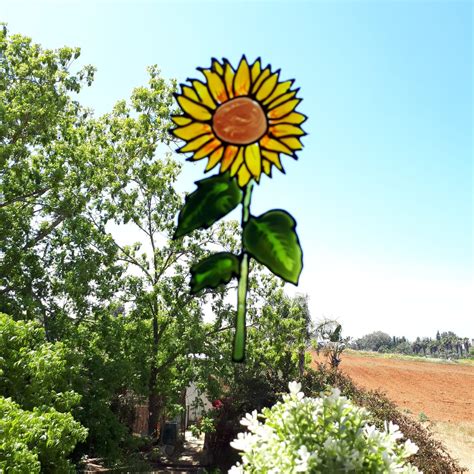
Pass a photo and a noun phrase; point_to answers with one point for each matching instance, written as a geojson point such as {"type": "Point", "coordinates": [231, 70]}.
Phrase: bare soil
{"type": "Point", "coordinates": [442, 391]}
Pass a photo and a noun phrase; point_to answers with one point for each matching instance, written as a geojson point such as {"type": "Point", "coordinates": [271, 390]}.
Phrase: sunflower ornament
{"type": "Point", "coordinates": [242, 121]}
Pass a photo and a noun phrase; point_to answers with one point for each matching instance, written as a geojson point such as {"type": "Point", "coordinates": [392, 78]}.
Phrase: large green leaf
{"type": "Point", "coordinates": [213, 199]}
{"type": "Point", "coordinates": [213, 271]}
{"type": "Point", "coordinates": [272, 240]}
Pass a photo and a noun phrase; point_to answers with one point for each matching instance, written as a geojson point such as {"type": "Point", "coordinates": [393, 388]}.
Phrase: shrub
{"type": "Point", "coordinates": [37, 430]}
{"type": "Point", "coordinates": [36, 441]}
{"type": "Point", "coordinates": [34, 372]}
{"type": "Point", "coordinates": [324, 434]}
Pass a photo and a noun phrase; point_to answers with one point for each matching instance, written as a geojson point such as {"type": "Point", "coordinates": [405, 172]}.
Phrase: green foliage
{"type": "Point", "coordinates": [213, 199]}
{"type": "Point", "coordinates": [33, 371]}
{"type": "Point", "coordinates": [324, 434]}
{"type": "Point", "coordinates": [330, 341]}
{"type": "Point", "coordinates": [213, 271]}
{"type": "Point", "coordinates": [36, 441]}
{"type": "Point", "coordinates": [66, 178]}
{"type": "Point", "coordinates": [279, 331]}
{"type": "Point", "coordinates": [207, 424]}
{"type": "Point", "coordinates": [37, 430]}
{"type": "Point", "coordinates": [422, 417]}
{"type": "Point", "coordinates": [374, 341]}
{"type": "Point", "coordinates": [446, 345]}
{"type": "Point", "coordinates": [112, 363]}
{"type": "Point", "coordinates": [272, 240]}
{"type": "Point", "coordinates": [47, 178]}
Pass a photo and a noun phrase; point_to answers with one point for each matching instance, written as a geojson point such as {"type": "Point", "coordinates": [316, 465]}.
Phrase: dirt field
{"type": "Point", "coordinates": [444, 392]}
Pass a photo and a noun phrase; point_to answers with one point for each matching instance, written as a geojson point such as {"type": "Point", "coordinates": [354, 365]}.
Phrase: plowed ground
{"type": "Point", "coordinates": [443, 392]}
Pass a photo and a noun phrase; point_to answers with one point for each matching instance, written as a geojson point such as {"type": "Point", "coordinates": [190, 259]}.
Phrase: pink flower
{"type": "Point", "coordinates": [217, 404]}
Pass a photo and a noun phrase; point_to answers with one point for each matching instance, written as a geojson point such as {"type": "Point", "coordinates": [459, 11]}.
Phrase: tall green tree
{"type": "Point", "coordinates": [52, 168]}
{"type": "Point", "coordinates": [71, 185]}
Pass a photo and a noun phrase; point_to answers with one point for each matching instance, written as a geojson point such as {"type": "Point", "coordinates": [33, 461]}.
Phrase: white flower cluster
{"type": "Point", "coordinates": [319, 435]}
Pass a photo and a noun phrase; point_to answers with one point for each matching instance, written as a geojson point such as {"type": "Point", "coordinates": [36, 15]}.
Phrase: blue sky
{"type": "Point", "coordinates": [382, 191]}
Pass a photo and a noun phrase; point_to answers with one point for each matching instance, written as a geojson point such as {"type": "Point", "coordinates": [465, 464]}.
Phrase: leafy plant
{"type": "Point", "coordinates": [422, 417]}
{"type": "Point", "coordinates": [324, 434]}
{"type": "Point", "coordinates": [330, 341]}
{"type": "Point", "coordinates": [36, 441]}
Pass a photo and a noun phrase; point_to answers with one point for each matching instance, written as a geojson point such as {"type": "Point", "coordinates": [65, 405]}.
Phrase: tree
{"type": "Point", "coordinates": [54, 166]}
{"type": "Point", "coordinates": [279, 331]}
{"type": "Point", "coordinates": [374, 341]}
{"type": "Point", "coordinates": [404, 347]}
{"type": "Point", "coordinates": [65, 178]}
{"type": "Point", "coordinates": [330, 341]}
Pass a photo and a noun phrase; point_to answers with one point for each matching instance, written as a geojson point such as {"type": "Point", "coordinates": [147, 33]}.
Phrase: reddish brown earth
{"type": "Point", "coordinates": [443, 392]}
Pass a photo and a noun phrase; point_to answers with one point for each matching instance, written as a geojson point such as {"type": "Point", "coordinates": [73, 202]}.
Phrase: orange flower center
{"type": "Point", "coordinates": [239, 121]}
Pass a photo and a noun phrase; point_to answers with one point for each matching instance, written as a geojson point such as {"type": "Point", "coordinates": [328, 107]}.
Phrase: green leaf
{"type": "Point", "coordinates": [272, 240]}
{"type": "Point", "coordinates": [213, 271]}
{"type": "Point", "coordinates": [213, 199]}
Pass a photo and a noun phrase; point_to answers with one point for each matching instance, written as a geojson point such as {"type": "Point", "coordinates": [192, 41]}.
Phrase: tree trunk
{"type": "Point", "coordinates": [153, 396]}
{"type": "Point", "coordinates": [301, 361]}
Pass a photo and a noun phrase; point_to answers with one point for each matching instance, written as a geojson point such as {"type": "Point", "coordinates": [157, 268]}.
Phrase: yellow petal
{"type": "Point", "coordinates": [188, 92]}
{"type": "Point", "coordinates": [215, 157]}
{"type": "Point", "coordinates": [272, 144]}
{"type": "Point", "coordinates": [253, 160]}
{"type": "Point", "coordinates": [295, 118]}
{"type": "Point", "coordinates": [273, 158]}
{"type": "Point", "coordinates": [281, 99]}
{"type": "Point", "coordinates": [180, 120]}
{"type": "Point", "coordinates": [216, 86]}
{"type": "Point", "coordinates": [267, 87]}
{"type": "Point", "coordinates": [207, 149]}
{"type": "Point", "coordinates": [256, 70]}
{"type": "Point", "coordinates": [204, 94]}
{"type": "Point", "coordinates": [260, 79]}
{"type": "Point", "coordinates": [217, 67]}
{"type": "Point", "coordinates": [194, 110]}
{"type": "Point", "coordinates": [236, 164]}
{"type": "Point", "coordinates": [242, 78]}
{"type": "Point", "coordinates": [194, 130]}
{"type": "Point", "coordinates": [283, 109]}
{"type": "Point", "coordinates": [196, 143]}
{"type": "Point", "coordinates": [285, 130]}
{"type": "Point", "coordinates": [292, 142]}
{"type": "Point", "coordinates": [229, 80]}
{"type": "Point", "coordinates": [229, 155]}
{"type": "Point", "coordinates": [244, 176]}
{"type": "Point", "coordinates": [280, 89]}
{"type": "Point", "coordinates": [267, 167]}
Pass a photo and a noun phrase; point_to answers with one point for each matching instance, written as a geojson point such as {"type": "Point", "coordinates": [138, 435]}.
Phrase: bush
{"type": "Point", "coordinates": [37, 430]}
{"type": "Point", "coordinates": [36, 441]}
{"type": "Point", "coordinates": [34, 372]}
{"type": "Point", "coordinates": [324, 434]}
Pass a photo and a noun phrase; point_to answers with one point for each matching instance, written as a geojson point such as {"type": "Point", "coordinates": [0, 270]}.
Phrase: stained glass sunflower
{"type": "Point", "coordinates": [243, 119]}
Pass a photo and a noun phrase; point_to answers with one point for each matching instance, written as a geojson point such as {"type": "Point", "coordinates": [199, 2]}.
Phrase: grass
{"type": "Point", "coordinates": [468, 362]}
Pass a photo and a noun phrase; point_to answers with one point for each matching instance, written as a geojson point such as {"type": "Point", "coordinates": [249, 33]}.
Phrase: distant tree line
{"type": "Point", "coordinates": [445, 345]}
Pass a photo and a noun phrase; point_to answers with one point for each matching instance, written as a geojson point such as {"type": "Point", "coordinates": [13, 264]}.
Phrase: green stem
{"type": "Point", "coordinates": [238, 354]}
